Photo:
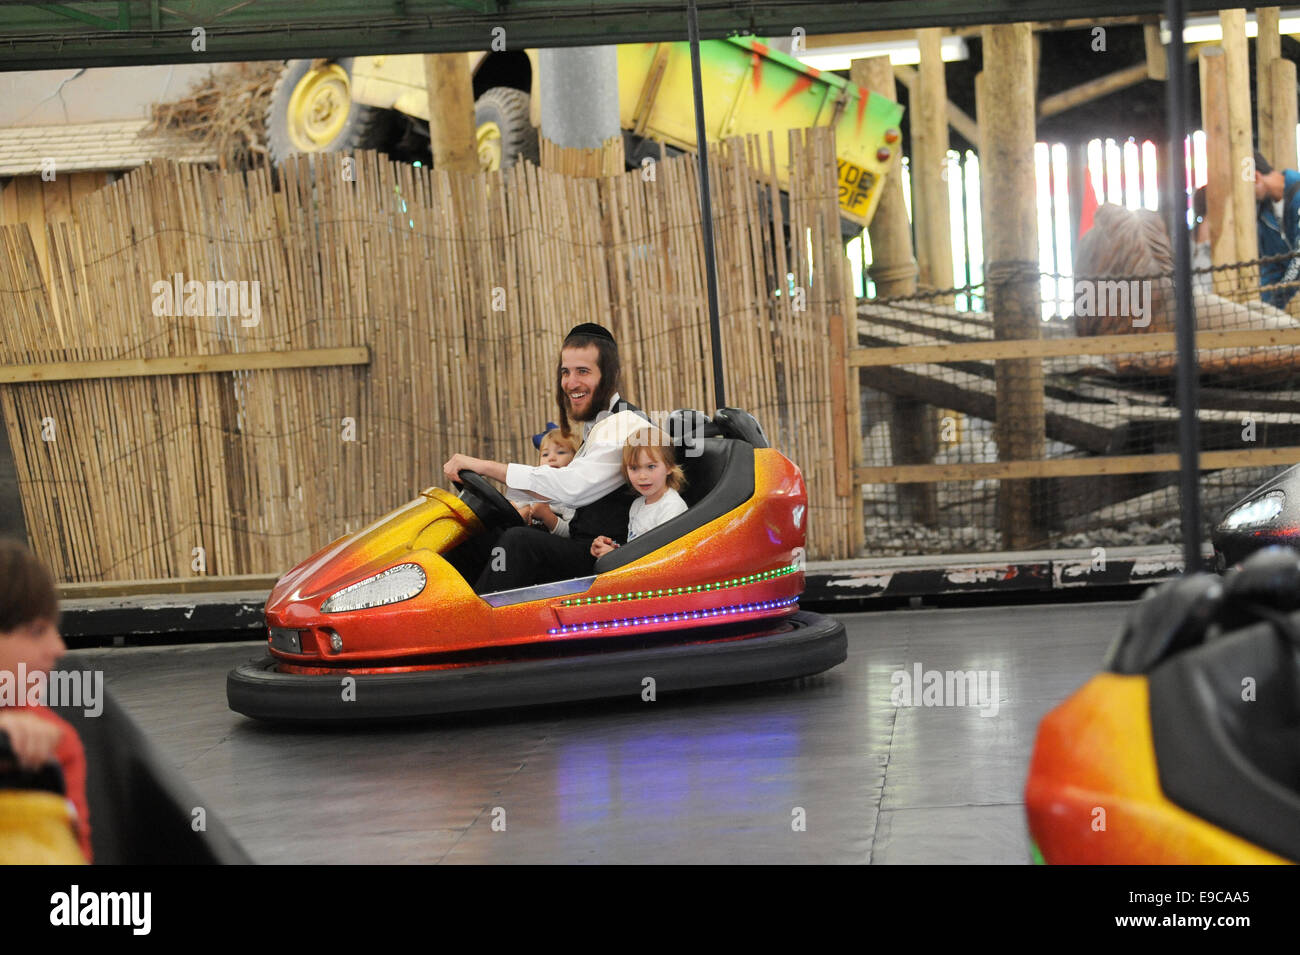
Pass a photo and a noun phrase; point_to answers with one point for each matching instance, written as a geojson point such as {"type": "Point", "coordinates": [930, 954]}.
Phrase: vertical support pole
{"type": "Point", "coordinates": [929, 124]}
{"type": "Point", "coordinates": [452, 138]}
{"type": "Point", "coordinates": [913, 430]}
{"type": "Point", "coordinates": [893, 266]}
{"type": "Point", "coordinates": [1237, 60]}
{"type": "Point", "coordinates": [1282, 83]}
{"type": "Point", "coordinates": [853, 407]}
{"type": "Point", "coordinates": [706, 205]}
{"type": "Point", "coordinates": [841, 439]}
{"type": "Point", "coordinates": [1038, 51]}
{"type": "Point", "coordinates": [1157, 64]}
{"type": "Point", "coordinates": [1268, 50]}
{"type": "Point", "coordinates": [1076, 170]}
{"type": "Point", "coordinates": [981, 118]}
{"type": "Point", "coordinates": [1184, 330]}
{"type": "Point", "coordinates": [577, 98]}
{"type": "Point", "coordinates": [1219, 205]}
{"type": "Point", "coordinates": [1008, 176]}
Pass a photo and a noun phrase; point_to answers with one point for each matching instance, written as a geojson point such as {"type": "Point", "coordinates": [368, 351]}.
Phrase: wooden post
{"type": "Point", "coordinates": [1282, 81]}
{"type": "Point", "coordinates": [1237, 61]}
{"type": "Point", "coordinates": [893, 267]}
{"type": "Point", "coordinates": [930, 165]}
{"type": "Point", "coordinates": [1011, 246]}
{"type": "Point", "coordinates": [958, 119]}
{"type": "Point", "coordinates": [982, 108]}
{"type": "Point", "coordinates": [913, 431]}
{"type": "Point", "coordinates": [1038, 49]}
{"type": "Point", "coordinates": [452, 132]}
{"type": "Point", "coordinates": [853, 405]}
{"type": "Point", "coordinates": [1219, 205]}
{"type": "Point", "coordinates": [1268, 50]}
{"type": "Point", "coordinates": [1157, 62]}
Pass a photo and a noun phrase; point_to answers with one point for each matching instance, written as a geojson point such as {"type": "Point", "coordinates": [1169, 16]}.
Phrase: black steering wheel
{"type": "Point", "coordinates": [488, 504]}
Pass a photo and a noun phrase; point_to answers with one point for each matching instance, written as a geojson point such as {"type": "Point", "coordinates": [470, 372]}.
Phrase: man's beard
{"type": "Point", "coordinates": [597, 402]}
{"type": "Point", "coordinates": [593, 407]}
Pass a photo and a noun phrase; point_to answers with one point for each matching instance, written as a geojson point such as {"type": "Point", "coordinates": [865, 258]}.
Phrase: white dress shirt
{"type": "Point", "coordinates": [596, 470]}
{"type": "Point", "coordinates": [562, 517]}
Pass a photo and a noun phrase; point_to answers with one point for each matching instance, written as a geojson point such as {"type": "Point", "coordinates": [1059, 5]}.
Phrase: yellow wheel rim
{"type": "Point", "coordinates": [319, 108]}
{"type": "Point", "coordinates": [489, 147]}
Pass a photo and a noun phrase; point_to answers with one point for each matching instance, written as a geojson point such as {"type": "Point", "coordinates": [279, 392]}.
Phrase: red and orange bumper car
{"type": "Point", "coordinates": [379, 625]}
{"type": "Point", "coordinates": [1186, 750]}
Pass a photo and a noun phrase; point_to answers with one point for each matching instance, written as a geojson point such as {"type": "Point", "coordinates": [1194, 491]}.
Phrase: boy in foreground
{"type": "Point", "coordinates": [30, 643]}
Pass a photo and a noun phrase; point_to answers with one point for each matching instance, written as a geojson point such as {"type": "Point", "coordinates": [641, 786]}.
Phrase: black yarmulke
{"type": "Point", "coordinates": [592, 329]}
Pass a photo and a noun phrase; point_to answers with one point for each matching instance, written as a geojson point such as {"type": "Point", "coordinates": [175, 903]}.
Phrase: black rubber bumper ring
{"type": "Point", "coordinates": [805, 643]}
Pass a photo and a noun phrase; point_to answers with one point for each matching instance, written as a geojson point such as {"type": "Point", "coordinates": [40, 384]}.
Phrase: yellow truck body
{"type": "Point", "coordinates": [749, 87]}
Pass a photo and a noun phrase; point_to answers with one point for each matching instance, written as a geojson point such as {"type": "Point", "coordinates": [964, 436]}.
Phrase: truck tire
{"type": "Point", "coordinates": [503, 131]}
{"type": "Point", "coordinates": [312, 111]}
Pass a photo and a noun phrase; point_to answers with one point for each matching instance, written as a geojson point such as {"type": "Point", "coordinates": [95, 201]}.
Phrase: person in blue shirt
{"type": "Point", "coordinates": [1278, 193]}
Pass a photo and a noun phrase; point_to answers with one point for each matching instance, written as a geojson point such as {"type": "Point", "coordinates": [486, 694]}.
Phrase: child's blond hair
{"type": "Point", "coordinates": [556, 436]}
{"type": "Point", "coordinates": [656, 451]}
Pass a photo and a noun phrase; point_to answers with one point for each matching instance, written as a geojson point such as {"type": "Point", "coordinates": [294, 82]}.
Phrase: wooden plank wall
{"type": "Point", "coordinates": [461, 286]}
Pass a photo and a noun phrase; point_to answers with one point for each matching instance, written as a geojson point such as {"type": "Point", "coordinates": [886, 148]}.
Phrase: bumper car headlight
{"type": "Point", "coordinates": [1256, 512]}
{"type": "Point", "coordinates": [386, 587]}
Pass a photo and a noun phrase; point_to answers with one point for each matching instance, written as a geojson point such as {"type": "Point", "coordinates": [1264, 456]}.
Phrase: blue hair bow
{"type": "Point", "coordinates": [537, 438]}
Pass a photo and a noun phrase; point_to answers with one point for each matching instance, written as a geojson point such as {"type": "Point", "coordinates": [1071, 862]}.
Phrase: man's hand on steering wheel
{"type": "Point", "coordinates": [463, 462]}
{"type": "Point", "coordinates": [460, 462]}
{"type": "Point", "coordinates": [488, 504]}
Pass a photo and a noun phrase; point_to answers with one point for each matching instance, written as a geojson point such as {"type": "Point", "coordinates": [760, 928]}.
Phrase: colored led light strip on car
{"type": "Point", "coordinates": [676, 591]}
{"type": "Point", "coordinates": [673, 617]}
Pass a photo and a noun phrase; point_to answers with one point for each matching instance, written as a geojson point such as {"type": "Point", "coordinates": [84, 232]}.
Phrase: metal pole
{"type": "Point", "coordinates": [706, 205]}
{"type": "Point", "coordinates": [1184, 328]}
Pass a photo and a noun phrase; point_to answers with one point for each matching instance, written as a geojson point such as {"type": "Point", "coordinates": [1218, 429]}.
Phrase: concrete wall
{"type": "Point", "coordinates": [49, 97]}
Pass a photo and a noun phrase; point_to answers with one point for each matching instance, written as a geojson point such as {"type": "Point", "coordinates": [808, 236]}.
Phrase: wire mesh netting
{"type": "Point", "coordinates": [947, 393]}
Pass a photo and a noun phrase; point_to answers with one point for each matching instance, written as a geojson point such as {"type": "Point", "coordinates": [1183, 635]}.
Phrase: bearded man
{"type": "Point", "coordinates": [586, 392]}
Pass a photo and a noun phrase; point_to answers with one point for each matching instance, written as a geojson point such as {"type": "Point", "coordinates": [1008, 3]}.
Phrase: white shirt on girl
{"type": "Point", "coordinates": [644, 517]}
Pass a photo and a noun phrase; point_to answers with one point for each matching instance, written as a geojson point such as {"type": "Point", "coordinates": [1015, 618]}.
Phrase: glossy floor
{"type": "Point", "coordinates": [825, 770]}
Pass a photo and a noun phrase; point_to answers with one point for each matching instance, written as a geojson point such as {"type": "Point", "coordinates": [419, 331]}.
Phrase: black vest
{"type": "Point", "coordinates": [608, 516]}
{"type": "Point", "coordinates": [624, 405]}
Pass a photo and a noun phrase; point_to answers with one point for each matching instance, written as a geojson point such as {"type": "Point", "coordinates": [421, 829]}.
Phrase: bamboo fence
{"type": "Point", "coordinates": [458, 288]}
{"type": "Point", "coordinates": [604, 160]}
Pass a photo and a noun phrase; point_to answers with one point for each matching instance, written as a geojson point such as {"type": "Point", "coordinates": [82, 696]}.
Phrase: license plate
{"type": "Point", "coordinates": [286, 641]}
{"type": "Point", "coordinates": [856, 184]}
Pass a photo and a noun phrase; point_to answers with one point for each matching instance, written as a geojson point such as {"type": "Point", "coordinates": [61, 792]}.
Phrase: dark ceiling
{"type": "Point", "coordinates": [83, 34]}
{"type": "Point", "coordinates": [101, 33]}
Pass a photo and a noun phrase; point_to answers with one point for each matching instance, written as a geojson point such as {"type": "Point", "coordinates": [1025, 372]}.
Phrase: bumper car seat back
{"type": "Point", "coordinates": [1225, 721]}
{"type": "Point", "coordinates": [720, 478]}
